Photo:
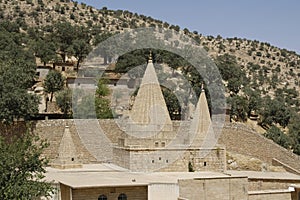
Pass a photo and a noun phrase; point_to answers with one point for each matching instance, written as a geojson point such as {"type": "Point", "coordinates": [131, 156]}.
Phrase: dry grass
{"type": "Point", "coordinates": [241, 162]}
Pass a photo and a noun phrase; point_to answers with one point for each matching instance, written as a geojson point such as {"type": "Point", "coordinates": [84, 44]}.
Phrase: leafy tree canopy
{"type": "Point", "coordinates": [70, 39]}
{"type": "Point", "coordinates": [275, 111]}
{"type": "Point", "coordinates": [64, 101]}
{"type": "Point", "coordinates": [102, 103]}
{"type": "Point", "coordinates": [17, 71]}
{"type": "Point", "coordinates": [275, 134]}
{"type": "Point", "coordinates": [22, 168]}
{"type": "Point", "coordinates": [231, 72]}
{"type": "Point", "coordinates": [53, 82]}
{"type": "Point", "coordinates": [294, 133]}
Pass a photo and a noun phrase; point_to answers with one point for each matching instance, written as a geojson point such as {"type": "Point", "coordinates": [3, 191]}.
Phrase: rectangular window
{"type": "Point", "coordinates": [121, 142]}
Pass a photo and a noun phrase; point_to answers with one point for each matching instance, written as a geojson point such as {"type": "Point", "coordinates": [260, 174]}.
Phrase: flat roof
{"type": "Point", "coordinates": [268, 191]}
{"type": "Point", "coordinates": [109, 175]}
{"type": "Point", "coordinates": [265, 175]}
{"type": "Point", "coordinates": [103, 175]}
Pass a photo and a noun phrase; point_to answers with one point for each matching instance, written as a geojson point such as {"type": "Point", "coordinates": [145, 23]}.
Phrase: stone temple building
{"type": "Point", "coordinates": [150, 157]}
{"type": "Point", "coordinates": [154, 142]}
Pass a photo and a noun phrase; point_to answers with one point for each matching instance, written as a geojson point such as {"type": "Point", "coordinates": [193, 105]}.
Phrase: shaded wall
{"type": "Point", "coordinates": [215, 188]}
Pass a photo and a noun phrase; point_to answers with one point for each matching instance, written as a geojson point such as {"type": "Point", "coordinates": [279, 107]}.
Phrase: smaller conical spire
{"type": "Point", "coordinates": [202, 87]}
{"type": "Point", "coordinates": [67, 155]}
{"type": "Point", "coordinates": [201, 123]}
{"type": "Point", "coordinates": [150, 57]}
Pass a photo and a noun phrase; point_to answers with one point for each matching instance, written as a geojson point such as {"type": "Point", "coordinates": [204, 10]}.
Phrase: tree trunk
{"type": "Point", "coordinates": [78, 62]}
{"type": "Point", "coordinates": [63, 56]}
{"type": "Point", "coordinates": [51, 97]}
{"type": "Point", "coordinates": [105, 60]}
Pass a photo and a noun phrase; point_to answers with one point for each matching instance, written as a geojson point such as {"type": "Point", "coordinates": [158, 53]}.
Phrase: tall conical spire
{"type": "Point", "coordinates": [201, 123]}
{"type": "Point", "coordinates": [67, 156]}
{"type": "Point", "coordinates": [149, 111]}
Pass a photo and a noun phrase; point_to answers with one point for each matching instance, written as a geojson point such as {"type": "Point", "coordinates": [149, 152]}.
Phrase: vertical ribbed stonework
{"type": "Point", "coordinates": [201, 123]}
{"type": "Point", "coordinates": [149, 112]}
{"type": "Point", "coordinates": [67, 155]}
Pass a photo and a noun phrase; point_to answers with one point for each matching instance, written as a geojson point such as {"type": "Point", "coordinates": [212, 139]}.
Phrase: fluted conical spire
{"type": "Point", "coordinates": [201, 123]}
{"type": "Point", "coordinates": [67, 156]}
{"type": "Point", "coordinates": [149, 111]}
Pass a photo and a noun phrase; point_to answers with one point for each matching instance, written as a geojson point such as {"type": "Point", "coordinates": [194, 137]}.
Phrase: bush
{"type": "Point", "coordinates": [72, 16]}
{"type": "Point", "coordinates": [258, 54]}
{"type": "Point", "coordinates": [275, 134]}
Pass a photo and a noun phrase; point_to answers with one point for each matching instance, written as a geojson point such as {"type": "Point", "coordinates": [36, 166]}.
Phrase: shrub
{"type": "Point", "coordinates": [275, 134]}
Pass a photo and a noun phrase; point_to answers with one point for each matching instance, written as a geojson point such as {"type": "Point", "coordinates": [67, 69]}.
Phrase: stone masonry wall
{"type": "Point", "coordinates": [217, 189]}
{"type": "Point", "coordinates": [269, 184]}
{"type": "Point", "coordinates": [170, 160]}
{"type": "Point", "coordinates": [133, 193]}
{"type": "Point", "coordinates": [121, 157]}
{"type": "Point", "coordinates": [239, 139]}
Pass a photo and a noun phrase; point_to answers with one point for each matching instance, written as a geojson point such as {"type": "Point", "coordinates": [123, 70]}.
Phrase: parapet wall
{"type": "Point", "coordinates": [270, 195]}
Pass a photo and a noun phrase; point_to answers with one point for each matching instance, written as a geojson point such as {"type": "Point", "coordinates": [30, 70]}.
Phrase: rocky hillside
{"type": "Point", "coordinates": [278, 67]}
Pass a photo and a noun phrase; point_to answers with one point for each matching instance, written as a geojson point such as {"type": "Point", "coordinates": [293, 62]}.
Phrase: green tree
{"type": "Point", "coordinates": [231, 72]}
{"type": "Point", "coordinates": [80, 49]}
{"type": "Point", "coordinates": [15, 101]}
{"type": "Point", "coordinates": [16, 104]}
{"type": "Point", "coordinates": [103, 110]}
{"type": "Point", "coordinates": [22, 168]}
{"type": "Point", "coordinates": [239, 108]}
{"type": "Point", "coordinates": [53, 82]}
{"type": "Point", "coordinates": [275, 111]}
{"type": "Point", "coordinates": [44, 50]}
{"type": "Point", "coordinates": [173, 104]}
{"type": "Point", "coordinates": [65, 34]}
{"type": "Point", "coordinates": [294, 133]}
{"type": "Point", "coordinates": [275, 134]}
{"type": "Point", "coordinates": [254, 100]}
{"type": "Point", "coordinates": [64, 101]}
{"type": "Point", "coordinates": [102, 89]}
{"type": "Point", "coordinates": [102, 103]}
{"type": "Point", "coordinates": [130, 60]}
{"type": "Point", "coordinates": [17, 71]}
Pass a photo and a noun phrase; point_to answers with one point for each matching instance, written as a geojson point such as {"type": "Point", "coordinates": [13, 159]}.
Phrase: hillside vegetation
{"type": "Point", "coordinates": [261, 80]}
